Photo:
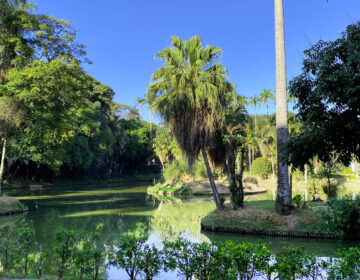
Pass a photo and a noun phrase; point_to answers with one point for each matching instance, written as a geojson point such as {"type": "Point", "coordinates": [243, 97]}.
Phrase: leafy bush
{"type": "Point", "coordinates": [330, 190]}
{"type": "Point", "coordinates": [346, 265]}
{"type": "Point", "coordinates": [65, 247]}
{"type": "Point", "coordinates": [132, 254]}
{"type": "Point", "coordinates": [173, 171]}
{"type": "Point", "coordinates": [199, 170]}
{"type": "Point", "coordinates": [88, 259]}
{"type": "Point", "coordinates": [126, 254]}
{"type": "Point", "coordinates": [313, 188]}
{"type": "Point", "coordinates": [298, 264]}
{"type": "Point", "coordinates": [300, 202]}
{"type": "Point", "coordinates": [261, 167]}
{"type": "Point", "coordinates": [343, 216]}
{"type": "Point", "coordinates": [25, 246]}
{"type": "Point", "coordinates": [201, 261]}
{"type": "Point", "coordinates": [246, 260]}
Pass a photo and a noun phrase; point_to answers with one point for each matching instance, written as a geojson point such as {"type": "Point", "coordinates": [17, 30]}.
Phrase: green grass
{"type": "Point", "coordinates": [260, 216]}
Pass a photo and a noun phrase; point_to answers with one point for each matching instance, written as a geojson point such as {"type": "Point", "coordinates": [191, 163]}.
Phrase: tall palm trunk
{"type": "Point", "coordinates": [267, 109]}
{"type": "Point", "coordinates": [2, 164]}
{"type": "Point", "coordinates": [249, 153]}
{"type": "Point", "coordinates": [211, 179]}
{"type": "Point", "coordinates": [255, 119]}
{"type": "Point", "coordinates": [283, 203]}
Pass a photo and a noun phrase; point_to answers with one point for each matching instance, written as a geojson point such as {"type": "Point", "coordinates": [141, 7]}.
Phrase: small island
{"type": "Point", "coordinates": [11, 206]}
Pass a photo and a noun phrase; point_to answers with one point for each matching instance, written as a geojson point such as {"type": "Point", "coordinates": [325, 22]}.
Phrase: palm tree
{"type": "Point", "coordinates": [189, 92]}
{"type": "Point", "coordinates": [265, 96]}
{"type": "Point", "coordinates": [228, 142]}
{"type": "Point", "coordinates": [254, 102]}
{"type": "Point", "coordinates": [283, 203]}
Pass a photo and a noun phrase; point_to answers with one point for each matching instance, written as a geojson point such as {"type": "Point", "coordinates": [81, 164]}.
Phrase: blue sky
{"type": "Point", "coordinates": [123, 36]}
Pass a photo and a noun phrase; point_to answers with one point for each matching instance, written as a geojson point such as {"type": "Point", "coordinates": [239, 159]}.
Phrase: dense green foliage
{"type": "Point", "coordinates": [204, 261]}
{"type": "Point", "coordinates": [261, 167]}
{"type": "Point", "coordinates": [55, 118]}
{"type": "Point", "coordinates": [343, 216]}
{"type": "Point", "coordinates": [327, 94]}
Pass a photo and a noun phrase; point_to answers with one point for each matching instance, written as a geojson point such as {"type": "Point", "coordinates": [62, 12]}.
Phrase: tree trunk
{"type": "Point", "coordinates": [249, 152]}
{"type": "Point", "coordinates": [241, 172]}
{"type": "Point", "coordinates": [2, 164]}
{"type": "Point", "coordinates": [211, 179]}
{"type": "Point", "coordinates": [255, 119]}
{"type": "Point", "coordinates": [283, 203]}
{"type": "Point", "coordinates": [291, 177]}
{"type": "Point", "coordinates": [305, 173]}
{"type": "Point", "coordinates": [267, 109]}
{"type": "Point", "coordinates": [236, 192]}
{"type": "Point", "coordinates": [253, 154]}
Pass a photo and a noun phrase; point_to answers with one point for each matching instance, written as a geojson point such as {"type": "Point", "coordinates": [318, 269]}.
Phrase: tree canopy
{"type": "Point", "coordinates": [328, 95]}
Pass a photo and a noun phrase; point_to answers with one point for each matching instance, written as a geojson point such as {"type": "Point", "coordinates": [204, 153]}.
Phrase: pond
{"type": "Point", "coordinates": [120, 207]}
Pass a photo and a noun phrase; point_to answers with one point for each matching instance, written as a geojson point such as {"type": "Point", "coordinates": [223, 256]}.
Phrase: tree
{"type": "Point", "coordinates": [189, 92]}
{"type": "Point", "coordinates": [328, 104]}
{"type": "Point", "coordinates": [51, 93]}
{"type": "Point", "coordinates": [230, 140]}
{"type": "Point", "coordinates": [11, 116]}
{"type": "Point", "coordinates": [254, 101]}
{"type": "Point", "coordinates": [15, 51]}
{"type": "Point", "coordinates": [265, 96]}
{"type": "Point", "coordinates": [165, 146]}
{"type": "Point", "coordinates": [267, 145]}
{"type": "Point", "coordinates": [283, 203]}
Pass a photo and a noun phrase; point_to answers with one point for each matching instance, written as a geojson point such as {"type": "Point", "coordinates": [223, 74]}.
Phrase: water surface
{"type": "Point", "coordinates": [121, 207]}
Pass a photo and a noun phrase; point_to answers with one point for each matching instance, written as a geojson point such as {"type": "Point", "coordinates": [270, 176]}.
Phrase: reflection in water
{"type": "Point", "coordinates": [119, 209]}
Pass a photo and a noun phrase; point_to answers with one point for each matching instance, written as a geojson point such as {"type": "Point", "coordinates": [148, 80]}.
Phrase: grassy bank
{"type": "Point", "coordinates": [259, 217]}
{"type": "Point", "coordinates": [9, 206]}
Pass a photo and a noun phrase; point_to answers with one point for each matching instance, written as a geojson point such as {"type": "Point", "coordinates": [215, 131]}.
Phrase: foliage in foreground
{"type": "Point", "coordinates": [343, 216]}
{"type": "Point", "coordinates": [82, 254]}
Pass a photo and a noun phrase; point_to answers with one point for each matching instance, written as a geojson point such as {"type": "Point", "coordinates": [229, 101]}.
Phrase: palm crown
{"type": "Point", "coordinates": [189, 92]}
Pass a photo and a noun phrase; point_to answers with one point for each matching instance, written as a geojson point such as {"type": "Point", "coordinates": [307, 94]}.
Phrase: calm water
{"type": "Point", "coordinates": [120, 207]}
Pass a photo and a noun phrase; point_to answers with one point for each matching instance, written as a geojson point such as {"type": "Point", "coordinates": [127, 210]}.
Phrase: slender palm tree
{"type": "Point", "coordinates": [283, 203]}
{"type": "Point", "coordinates": [266, 95]}
{"type": "Point", "coordinates": [254, 101]}
{"type": "Point", "coordinates": [189, 92]}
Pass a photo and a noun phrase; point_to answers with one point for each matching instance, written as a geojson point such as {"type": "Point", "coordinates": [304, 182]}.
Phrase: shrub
{"type": "Point", "coordinates": [65, 247]}
{"type": "Point", "coordinates": [246, 260]}
{"type": "Point", "coordinates": [174, 170]}
{"type": "Point", "coordinates": [25, 246]}
{"type": "Point", "coordinates": [150, 261]}
{"type": "Point", "coordinates": [330, 190]}
{"type": "Point", "coordinates": [343, 216]}
{"type": "Point", "coordinates": [199, 170]}
{"type": "Point", "coordinates": [199, 260]}
{"type": "Point", "coordinates": [179, 255]}
{"type": "Point", "coordinates": [261, 167]}
{"type": "Point", "coordinates": [88, 258]}
{"type": "Point", "coordinates": [346, 265]}
{"type": "Point", "coordinates": [126, 254]}
{"type": "Point", "coordinates": [313, 188]}
{"type": "Point", "coordinates": [298, 264]}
